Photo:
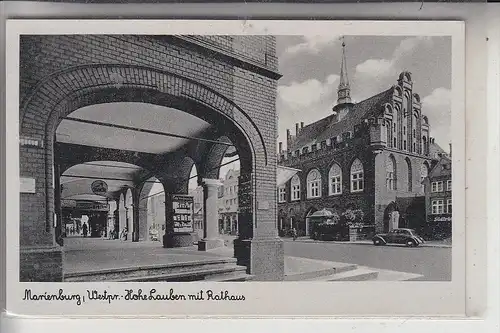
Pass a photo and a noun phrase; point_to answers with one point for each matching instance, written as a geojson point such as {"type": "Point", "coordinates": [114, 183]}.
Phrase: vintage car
{"type": "Point", "coordinates": [399, 236]}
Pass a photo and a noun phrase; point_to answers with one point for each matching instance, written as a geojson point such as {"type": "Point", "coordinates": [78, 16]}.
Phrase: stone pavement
{"type": "Point", "coordinates": [88, 254]}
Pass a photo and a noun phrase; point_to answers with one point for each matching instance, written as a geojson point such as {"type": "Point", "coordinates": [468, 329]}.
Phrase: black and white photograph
{"type": "Point", "coordinates": [169, 159]}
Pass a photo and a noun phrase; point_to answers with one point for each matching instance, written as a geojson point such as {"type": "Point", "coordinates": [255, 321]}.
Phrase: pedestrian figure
{"type": "Point", "coordinates": [294, 233]}
{"type": "Point", "coordinates": [85, 230]}
{"type": "Point", "coordinates": [123, 236]}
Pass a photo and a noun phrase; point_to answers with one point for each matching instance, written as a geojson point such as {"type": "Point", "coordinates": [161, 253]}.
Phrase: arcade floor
{"type": "Point", "coordinates": [93, 254]}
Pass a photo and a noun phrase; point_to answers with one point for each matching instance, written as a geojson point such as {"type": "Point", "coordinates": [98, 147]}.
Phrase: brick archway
{"type": "Point", "coordinates": [144, 209]}
{"type": "Point", "coordinates": [63, 73]}
{"type": "Point", "coordinates": [63, 92]}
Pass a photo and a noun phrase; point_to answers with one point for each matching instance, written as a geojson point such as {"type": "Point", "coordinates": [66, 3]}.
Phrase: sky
{"type": "Point", "coordinates": [310, 66]}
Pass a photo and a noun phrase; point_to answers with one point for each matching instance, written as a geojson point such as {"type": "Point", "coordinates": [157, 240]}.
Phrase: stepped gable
{"type": "Point", "coordinates": [328, 128]}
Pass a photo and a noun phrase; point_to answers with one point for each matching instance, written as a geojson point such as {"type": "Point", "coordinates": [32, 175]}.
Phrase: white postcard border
{"type": "Point", "coordinates": [263, 298]}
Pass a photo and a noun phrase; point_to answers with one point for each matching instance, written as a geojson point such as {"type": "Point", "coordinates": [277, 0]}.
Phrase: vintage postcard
{"type": "Point", "coordinates": [250, 168]}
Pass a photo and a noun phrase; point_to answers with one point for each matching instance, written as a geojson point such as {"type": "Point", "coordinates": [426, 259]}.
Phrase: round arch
{"type": "Point", "coordinates": [304, 230]}
{"type": "Point", "coordinates": [63, 92]}
{"type": "Point", "coordinates": [391, 217]}
{"type": "Point", "coordinates": [151, 207]}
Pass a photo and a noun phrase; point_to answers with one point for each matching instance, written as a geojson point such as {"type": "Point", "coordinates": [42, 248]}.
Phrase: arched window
{"type": "Point", "coordinates": [395, 128]}
{"type": "Point", "coordinates": [295, 188]}
{"type": "Point", "coordinates": [410, 175]}
{"type": "Point", "coordinates": [414, 133]}
{"type": "Point", "coordinates": [424, 172]}
{"type": "Point", "coordinates": [314, 184]}
{"type": "Point", "coordinates": [390, 173]}
{"type": "Point", "coordinates": [335, 179]}
{"type": "Point", "coordinates": [357, 176]}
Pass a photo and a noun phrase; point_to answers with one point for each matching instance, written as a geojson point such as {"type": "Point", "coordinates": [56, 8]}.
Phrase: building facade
{"type": "Point", "coordinates": [370, 156]}
{"type": "Point", "coordinates": [438, 188]}
{"type": "Point", "coordinates": [198, 200]}
{"type": "Point", "coordinates": [228, 203]}
{"type": "Point", "coordinates": [156, 217]}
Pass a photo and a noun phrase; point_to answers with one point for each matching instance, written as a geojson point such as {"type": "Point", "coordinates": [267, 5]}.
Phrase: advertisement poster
{"type": "Point", "coordinates": [182, 206]}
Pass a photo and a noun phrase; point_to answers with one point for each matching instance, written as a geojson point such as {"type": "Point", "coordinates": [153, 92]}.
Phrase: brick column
{"type": "Point", "coordinates": [211, 238]}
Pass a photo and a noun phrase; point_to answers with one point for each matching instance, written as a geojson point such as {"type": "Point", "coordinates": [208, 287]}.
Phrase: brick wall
{"type": "Point", "coordinates": [373, 200]}
{"type": "Point", "coordinates": [60, 74]}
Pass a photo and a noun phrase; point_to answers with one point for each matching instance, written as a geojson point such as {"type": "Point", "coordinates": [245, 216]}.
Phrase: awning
{"type": "Point", "coordinates": [283, 174]}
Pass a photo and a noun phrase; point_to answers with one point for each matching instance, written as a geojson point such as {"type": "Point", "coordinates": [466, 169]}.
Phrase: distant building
{"type": "Point", "coordinates": [370, 156]}
{"type": "Point", "coordinates": [228, 203]}
{"type": "Point", "coordinates": [197, 195]}
{"type": "Point", "coordinates": [156, 216]}
{"type": "Point", "coordinates": [438, 199]}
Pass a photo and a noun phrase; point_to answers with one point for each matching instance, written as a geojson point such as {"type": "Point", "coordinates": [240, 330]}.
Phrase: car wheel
{"type": "Point", "coordinates": [377, 242]}
{"type": "Point", "coordinates": [410, 243]}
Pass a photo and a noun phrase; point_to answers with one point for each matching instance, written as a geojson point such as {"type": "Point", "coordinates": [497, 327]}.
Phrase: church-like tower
{"type": "Point", "coordinates": [344, 103]}
{"type": "Point", "coordinates": [344, 89]}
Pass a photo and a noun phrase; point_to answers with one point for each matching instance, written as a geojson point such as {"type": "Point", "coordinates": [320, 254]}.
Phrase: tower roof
{"type": "Point", "coordinates": [344, 79]}
{"type": "Point", "coordinates": [344, 90]}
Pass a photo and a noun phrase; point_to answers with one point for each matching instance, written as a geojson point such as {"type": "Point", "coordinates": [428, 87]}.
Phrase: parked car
{"type": "Point", "coordinates": [399, 236]}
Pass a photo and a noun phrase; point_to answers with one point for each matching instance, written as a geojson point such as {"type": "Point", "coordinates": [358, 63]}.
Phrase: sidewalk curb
{"type": "Point", "coordinates": [361, 243]}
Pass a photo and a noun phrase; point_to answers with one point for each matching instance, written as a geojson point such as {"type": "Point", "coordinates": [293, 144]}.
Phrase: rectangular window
{"type": "Point", "coordinates": [357, 182]}
{"type": "Point", "coordinates": [336, 186]}
{"type": "Point", "coordinates": [296, 192]}
{"type": "Point", "coordinates": [281, 194]}
{"type": "Point", "coordinates": [314, 189]}
{"type": "Point", "coordinates": [404, 144]}
{"type": "Point", "coordinates": [437, 206]}
{"type": "Point", "coordinates": [448, 206]}
{"type": "Point", "coordinates": [437, 187]}
{"type": "Point", "coordinates": [448, 185]}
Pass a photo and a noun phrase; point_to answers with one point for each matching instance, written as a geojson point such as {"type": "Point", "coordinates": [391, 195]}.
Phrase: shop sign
{"type": "Point", "coordinates": [183, 213]}
{"type": "Point", "coordinates": [99, 187]}
{"type": "Point", "coordinates": [92, 206]}
{"type": "Point", "coordinates": [441, 219]}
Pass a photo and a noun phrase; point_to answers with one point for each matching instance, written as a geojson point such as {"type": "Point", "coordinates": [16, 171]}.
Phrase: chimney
{"type": "Point", "coordinates": [296, 128]}
{"type": "Point", "coordinates": [302, 125]}
{"type": "Point", "coordinates": [280, 144]}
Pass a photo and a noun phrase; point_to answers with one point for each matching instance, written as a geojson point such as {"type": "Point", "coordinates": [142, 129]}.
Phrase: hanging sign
{"type": "Point", "coordinates": [183, 212]}
{"type": "Point", "coordinates": [99, 187]}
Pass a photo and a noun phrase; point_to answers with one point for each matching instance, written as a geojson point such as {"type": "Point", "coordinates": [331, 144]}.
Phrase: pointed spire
{"type": "Point", "coordinates": [344, 90]}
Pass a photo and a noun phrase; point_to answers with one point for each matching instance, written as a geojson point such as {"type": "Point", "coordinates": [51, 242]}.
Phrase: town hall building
{"type": "Point", "coordinates": [370, 156]}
